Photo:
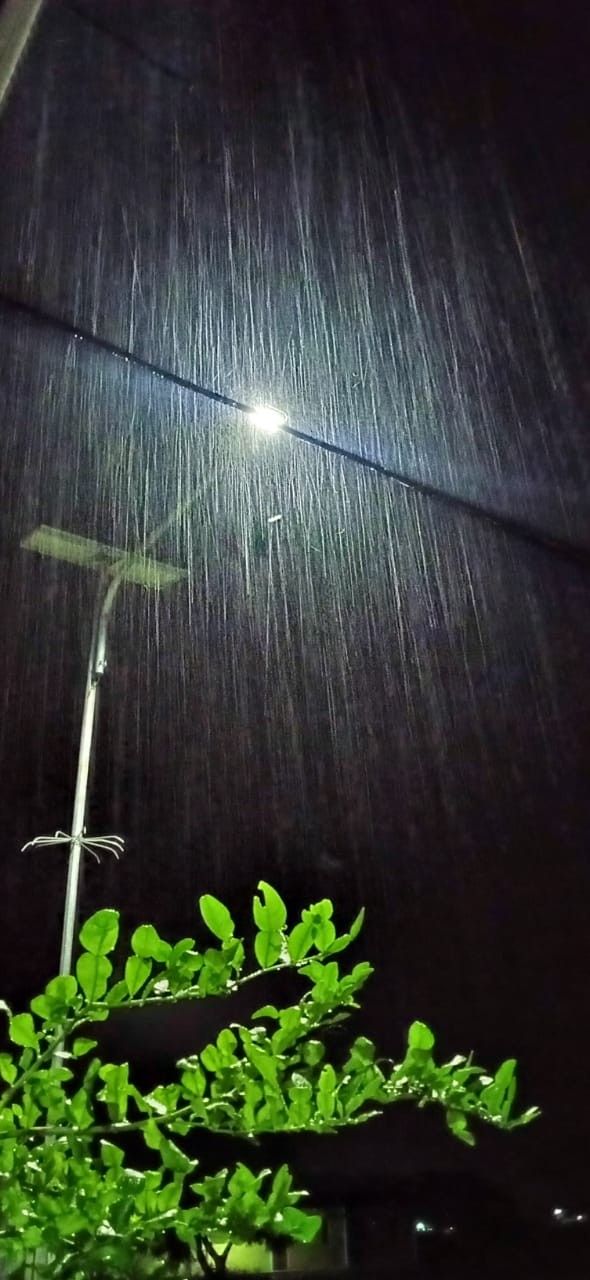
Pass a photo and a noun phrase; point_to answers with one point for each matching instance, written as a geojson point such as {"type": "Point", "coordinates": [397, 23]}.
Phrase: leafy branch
{"type": "Point", "coordinates": [64, 1182]}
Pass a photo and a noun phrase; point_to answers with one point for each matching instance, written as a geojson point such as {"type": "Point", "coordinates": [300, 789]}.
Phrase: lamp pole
{"type": "Point", "coordinates": [17, 19]}
{"type": "Point", "coordinates": [114, 567]}
{"type": "Point", "coordinates": [97, 661]}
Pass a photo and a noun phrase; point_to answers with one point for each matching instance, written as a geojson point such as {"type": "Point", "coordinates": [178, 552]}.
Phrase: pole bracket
{"type": "Point", "coordinates": [94, 845]}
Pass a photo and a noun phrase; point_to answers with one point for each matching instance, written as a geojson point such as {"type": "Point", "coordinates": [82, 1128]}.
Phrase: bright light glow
{"type": "Point", "coordinates": [247, 1257]}
{"type": "Point", "coordinates": [422, 1227]}
{"type": "Point", "coordinates": [267, 419]}
{"type": "Point", "coordinates": [558, 1213]}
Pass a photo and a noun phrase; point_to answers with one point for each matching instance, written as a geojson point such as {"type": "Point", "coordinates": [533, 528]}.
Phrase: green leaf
{"type": "Point", "coordinates": [300, 1226]}
{"type": "Point", "coordinates": [81, 1046]}
{"type": "Point", "coordinates": [290, 1029]}
{"type": "Point", "coordinates": [268, 948]}
{"type": "Point", "coordinates": [313, 1052]}
{"type": "Point", "coordinates": [98, 1013]}
{"type": "Point", "coordinates": [227, 1044]}
{"type": "Point", "coordinates": [80, 1110]}
{"type": "Point", "coordinates": [272, 916]}
{"type": "Point", "coordinates": [340, 944]}
{"type": "Point", "coordinates": [216, 917]}
{"type": "Point", "coordinates": [300, 940]}
{"type": "Point", "coordinates": [111, 1155]}
{"type": "Point", "coordinates": [42, 1007]}
{"type": "Point", "coordinates": [459, 1126]}
{"type": "Point", "coordinates": [100, 932]}
{"type": "Point", "coordinates": [508, 1100]}
{"type": "Point", "coordinates": [8, 1068]}
{"type": "Point", "coordinates": [169, 1197]}
{"type": "Point", "coordinates": [265, 1063]}
{"type": "Point", "coordinates": [360, 973]}
{"type": "Point", "coordinates": [193, 1080]}
{"type": "Point", "coordinates": [505, 1073]}
{"type": "Point", "coordinates": [211, 1058]}
{"type": "Point", "coordinates": [152, 1135]}
{"type": "Point", "coordinates": [420, 1037]}
{"type": "Point", "coordinates": [117, 995]}
{"type": "Point", "coordinates": [213, 978]}
{"type": "Point", "coordinates": [322, 910]}
{"type": "Point", "coordinates": [531, 1113]}
{"type": "Point", "coordinates": [173, 1158]}
{"type": "Point", "coordinates": [327, 1092]}
{"type": "Point", "coordinates": [324, 935]}
{"type": "Point", "coordinates": [32, 1237]}
{"type": "Point", "coordinates": [62, 991]}
{"type": "Point", "coordinates": [116, 1089]}
{"type": "Point", "coordinates": [137, 972]}
{"type": "Point", "coordinates": [266, 1011]}
{"type": "Point", "coordinates": [21, 1030]}
{"type": "Point", "coordinates": [327, 978]}
{"type": "Point", "coordinates": [147, 943]}
{"type": "Point", "coordinates": [362, 1054]}
{"type": "Point", "coordinates": [243, 1180]}
{"type": "Point", "coordinates": [281, 1186]}
{"type": "Point", "coordinates": [234, 953]}
{"type": "Point", "coordinates": [181, 947]}
{"type": "Point", "coordinates": [93, 972]}
{"type": "Point", "coordinates": [357, 925]}
{"type": "Point", "coordinates": [66, 1224]}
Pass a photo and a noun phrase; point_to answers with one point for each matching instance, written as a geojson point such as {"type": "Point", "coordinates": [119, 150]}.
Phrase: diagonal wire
{"type": "Point", "coordinates": [510, 525]}
{"type": "Point", "coordinates": [126, 42]}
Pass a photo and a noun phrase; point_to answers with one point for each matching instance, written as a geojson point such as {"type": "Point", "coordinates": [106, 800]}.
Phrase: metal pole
{"type": "Point", "coordinates": [17, 19]}
{"type": "Point", "coordinates": [124, 567]}
{"type": "Point", "coordinates": [97, 662]}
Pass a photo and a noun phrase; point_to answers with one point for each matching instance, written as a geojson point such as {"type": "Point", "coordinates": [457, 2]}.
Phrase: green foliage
{"type": "Point", "coordinates": [99, 934]}
{"type": "Point", "coordinates": [216, 917]}
{"type": "Point", "coordinates": [67, 1191]}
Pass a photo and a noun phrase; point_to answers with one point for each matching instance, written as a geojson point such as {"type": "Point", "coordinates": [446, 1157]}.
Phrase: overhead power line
{"type": "Point", "coordinates": [118, 37]}
{"type": "Point", "coordinates": [507, 524]}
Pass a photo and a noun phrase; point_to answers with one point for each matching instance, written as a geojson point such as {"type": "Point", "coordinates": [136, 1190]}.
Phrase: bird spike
{"type": "Point", "coordinates": [95, 845]}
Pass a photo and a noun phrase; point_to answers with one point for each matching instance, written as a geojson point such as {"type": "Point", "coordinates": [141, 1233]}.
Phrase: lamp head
{"type": "Point", "coordinates": [267, 419]}
{"type": "Point", "coordinates": [129, 566]}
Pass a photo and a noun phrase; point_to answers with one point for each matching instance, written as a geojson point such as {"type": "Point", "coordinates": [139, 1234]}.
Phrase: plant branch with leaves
{"type": "Point", "coordinates": [66, 1188]}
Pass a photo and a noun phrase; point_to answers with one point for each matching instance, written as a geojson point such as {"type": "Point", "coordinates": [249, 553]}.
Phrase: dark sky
{"type": "Point", "coordinates": [375, 215]}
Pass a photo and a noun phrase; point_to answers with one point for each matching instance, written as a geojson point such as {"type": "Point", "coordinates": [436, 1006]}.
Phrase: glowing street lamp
{"type": "Point", "coordinates": [114, 567]}
{"type": "Point", "coordinates": [265, 418]}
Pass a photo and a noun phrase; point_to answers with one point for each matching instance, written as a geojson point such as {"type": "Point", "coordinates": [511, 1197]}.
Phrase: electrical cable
{"type": "Point", "coordinates": [509, 525]}
{"type": "Point", "coordinates": [127, 43]}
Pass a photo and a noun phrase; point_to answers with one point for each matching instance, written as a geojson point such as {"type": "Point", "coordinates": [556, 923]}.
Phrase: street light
{"type": "Point", "coordinates": [266, 418]}
{"type": "Point", "coordinates": [114, 567]}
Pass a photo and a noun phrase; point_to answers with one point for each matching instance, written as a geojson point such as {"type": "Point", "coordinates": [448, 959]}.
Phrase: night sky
{"type": "Point", "coordinates": [375, 216]}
